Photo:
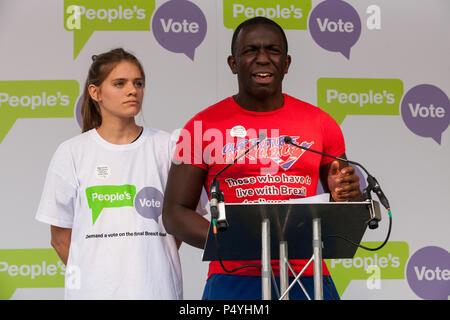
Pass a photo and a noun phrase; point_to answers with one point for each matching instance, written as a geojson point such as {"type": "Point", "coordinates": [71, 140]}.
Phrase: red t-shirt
{"type": "Point", "coordinates": [271, 172]}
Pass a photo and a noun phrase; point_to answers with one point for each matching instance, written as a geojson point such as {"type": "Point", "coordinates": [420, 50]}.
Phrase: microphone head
{"type": "Point", "coordinates": [262, 136]}
{"type": "Point", "coordinates": [288, 139]}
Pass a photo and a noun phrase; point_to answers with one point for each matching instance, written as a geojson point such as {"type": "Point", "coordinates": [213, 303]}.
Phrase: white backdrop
{"type": "Point", "coordinates": [410, 44]}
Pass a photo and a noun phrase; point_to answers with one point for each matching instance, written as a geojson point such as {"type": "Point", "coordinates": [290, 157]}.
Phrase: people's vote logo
{"type": "Point", "coordinates": [84, 17]}
{"type": "Point", "coordinates": [425, 111]}
{"type": "Point", "coordinates": [335, 26]}
{"type": "Point", "coordinates": [35, 99]}
{"type": "Point", "coordinates": [110, 196]}
{"type": "Point", "coordinates": [428, 273]}
{"type": "Point", "coordinates": [179, 26]}
{"type": "Point", "coordinates": [148, 203]}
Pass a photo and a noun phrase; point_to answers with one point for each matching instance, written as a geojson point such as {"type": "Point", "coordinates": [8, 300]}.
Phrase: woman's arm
{"type": "Point", "coordinates": [60, 240]}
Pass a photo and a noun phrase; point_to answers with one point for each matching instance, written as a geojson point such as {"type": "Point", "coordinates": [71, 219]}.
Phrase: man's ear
{"type": "Point", "coordinates": [232, 63]}
{"type": "Point", "coordinates": [94, 92]}
{"type": "Point", "coordinates": [288, 63]}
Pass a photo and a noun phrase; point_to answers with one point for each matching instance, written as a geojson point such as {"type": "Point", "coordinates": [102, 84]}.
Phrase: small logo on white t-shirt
{"type": "Point", "coordinates": [102, 171]}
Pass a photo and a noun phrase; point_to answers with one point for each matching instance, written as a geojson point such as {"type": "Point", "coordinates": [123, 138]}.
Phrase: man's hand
{"type": "Point", "coordinates": [343, 183]}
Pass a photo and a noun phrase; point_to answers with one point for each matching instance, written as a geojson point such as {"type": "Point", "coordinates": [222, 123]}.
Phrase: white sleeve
{"type": "Point", "coordinates": [202, 203]}
{"type": "Point", "coordinates": [60, 191]}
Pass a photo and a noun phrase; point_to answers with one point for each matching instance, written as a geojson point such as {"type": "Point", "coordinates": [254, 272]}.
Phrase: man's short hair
{"type": "Point", "coordinates": [253, 21]}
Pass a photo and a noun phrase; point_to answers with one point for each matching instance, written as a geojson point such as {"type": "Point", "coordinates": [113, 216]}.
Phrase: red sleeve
{"type": "Point", "coordinates": [189, 148]}
{"type": "Point", "coordinates": [333, 139]}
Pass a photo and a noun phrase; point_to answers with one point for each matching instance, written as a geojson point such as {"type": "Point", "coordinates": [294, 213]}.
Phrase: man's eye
{"type": "Point", "coordinates": [139, 84]}
{"type": "Point", "coordinates": [249, 50]}
{"type": "Point", "coordinates": [275, 49]}
{"type": "Point", "coordinates": [118, 84]}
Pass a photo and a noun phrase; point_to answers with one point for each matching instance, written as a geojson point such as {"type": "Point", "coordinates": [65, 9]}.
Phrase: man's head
{"type": "Point", "coordinates": [259, 58]}
{"type": "Point", "coordinates": [253, 21]}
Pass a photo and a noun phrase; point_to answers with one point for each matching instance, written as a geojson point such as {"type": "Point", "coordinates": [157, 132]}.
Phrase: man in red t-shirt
{"type": "Point", "coordinates": [272, 172]}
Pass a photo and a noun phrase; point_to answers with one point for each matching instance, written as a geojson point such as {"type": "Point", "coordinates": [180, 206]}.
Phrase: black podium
{"type": "Point", "coordinates": [263, 232]}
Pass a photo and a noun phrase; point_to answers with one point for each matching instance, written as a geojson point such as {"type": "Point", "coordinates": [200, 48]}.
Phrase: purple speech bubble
{"type": "Point", "coordinates": [425, 110]}
{"type": "Point", "coordinates": [179, 26]}
{"type": "Point", "coordinates": [335, 26]}
{"type": "Point", "coordinates": [428, 273]}
{"type": "Point", "coordinates": [77, 112]}
{"type": "Point", "coordinates": [148, 203]}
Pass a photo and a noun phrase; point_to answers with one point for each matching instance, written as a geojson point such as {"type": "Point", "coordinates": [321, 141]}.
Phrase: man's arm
{"type": "Point", "coordinates": [60, 240]}
{"type": "Point", "coordinates": [340, 180]}
{"type": "Point", "coordinates": [183, 190]}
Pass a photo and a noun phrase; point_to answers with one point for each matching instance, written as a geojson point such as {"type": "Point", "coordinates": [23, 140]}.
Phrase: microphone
{"type": "Point", "coordinates": [372, 183]}
{"type": "Point", "coordinates": [217, 202]}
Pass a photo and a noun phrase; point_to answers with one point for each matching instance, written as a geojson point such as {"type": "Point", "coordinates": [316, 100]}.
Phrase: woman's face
{"type": "Point", "coordinates": [120, 95]}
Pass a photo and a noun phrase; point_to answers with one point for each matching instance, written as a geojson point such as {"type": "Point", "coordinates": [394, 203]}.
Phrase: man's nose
{"type": "Point", "coordinates": [262, 56]}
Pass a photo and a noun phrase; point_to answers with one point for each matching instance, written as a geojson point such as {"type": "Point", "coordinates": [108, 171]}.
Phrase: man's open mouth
{"type": "Point", "coordinates": [262, 74]}
{"type": "Point", "coordinates": [262, 77]}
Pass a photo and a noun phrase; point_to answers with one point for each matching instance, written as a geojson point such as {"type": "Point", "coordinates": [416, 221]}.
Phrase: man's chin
{"type": "Point", "coordinates": [264, 92]}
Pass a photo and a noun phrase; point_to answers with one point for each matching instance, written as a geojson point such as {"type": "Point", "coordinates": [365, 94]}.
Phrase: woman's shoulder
{"type": "Point", "coordinates": [73, 145]}
{"type": "Point", "coordinates": [157, 135]}
{"type": "Point", "coordinates": [79, 139]}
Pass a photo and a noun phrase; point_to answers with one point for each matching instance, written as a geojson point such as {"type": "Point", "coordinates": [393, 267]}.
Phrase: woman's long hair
{"type": "Point", "coordinates": [101, 67]}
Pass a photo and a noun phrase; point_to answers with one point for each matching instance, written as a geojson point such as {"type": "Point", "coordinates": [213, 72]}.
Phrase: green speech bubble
{"type": "Point", "coordinates": [100, 197]}
{"type": "Point", "coordinates": [344, 96]}
{"type": "Point", "coordinates": [35, 99]}
{"type": "Point", "coordinates": [390, 263]}
{"type": "Point", "coordinates": [29, 268]}
{"type": "Point", "coordinates": [289, 14]}
{"type": "Point", "coordinates": [83, 17]}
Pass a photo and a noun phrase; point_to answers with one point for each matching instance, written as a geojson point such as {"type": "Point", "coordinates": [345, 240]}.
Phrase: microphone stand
{"type": "Point", "coordinates": [217, 205]}
{"type": "Point", "coordinates": [372, 185]}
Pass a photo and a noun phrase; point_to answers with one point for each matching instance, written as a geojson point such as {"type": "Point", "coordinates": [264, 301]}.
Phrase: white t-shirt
{"type": "Point", "coordinates": [112, 196]}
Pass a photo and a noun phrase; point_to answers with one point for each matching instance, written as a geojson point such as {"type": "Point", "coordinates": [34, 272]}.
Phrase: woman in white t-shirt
{"type": "Point", "coordinates": [104, 189]}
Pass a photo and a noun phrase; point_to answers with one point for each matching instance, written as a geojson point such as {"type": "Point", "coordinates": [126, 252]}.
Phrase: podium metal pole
{"type": "Point", "coordinates": [265, 260]}
{"type": "Point", "coordinates": [284, 275]}
{"type": "Point", "coordinates": [317, 252]}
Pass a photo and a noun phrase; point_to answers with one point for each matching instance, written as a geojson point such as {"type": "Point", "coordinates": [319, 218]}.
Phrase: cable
{"type": "Point", "coordinates": [241, 267]}
{"type": "Point", "coordinates": [327, 280]}
{"type": "Point", "coordinates": [364, 247]}
{"type": "Point", "coordinates": [274, 282]}
{"type": "Point", "coordinates": [220, 258]}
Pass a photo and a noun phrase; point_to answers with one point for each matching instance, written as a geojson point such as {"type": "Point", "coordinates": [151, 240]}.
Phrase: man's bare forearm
{"type": "Point", "coordinates": [186, 224]}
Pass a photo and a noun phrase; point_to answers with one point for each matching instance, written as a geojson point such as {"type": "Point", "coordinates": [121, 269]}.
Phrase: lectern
{"type": "Point", "coordinates": [313, 231]}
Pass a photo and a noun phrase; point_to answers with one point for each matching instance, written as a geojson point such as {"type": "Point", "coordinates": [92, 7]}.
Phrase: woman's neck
{"type": "Point", "coordinates": [118, 132]}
